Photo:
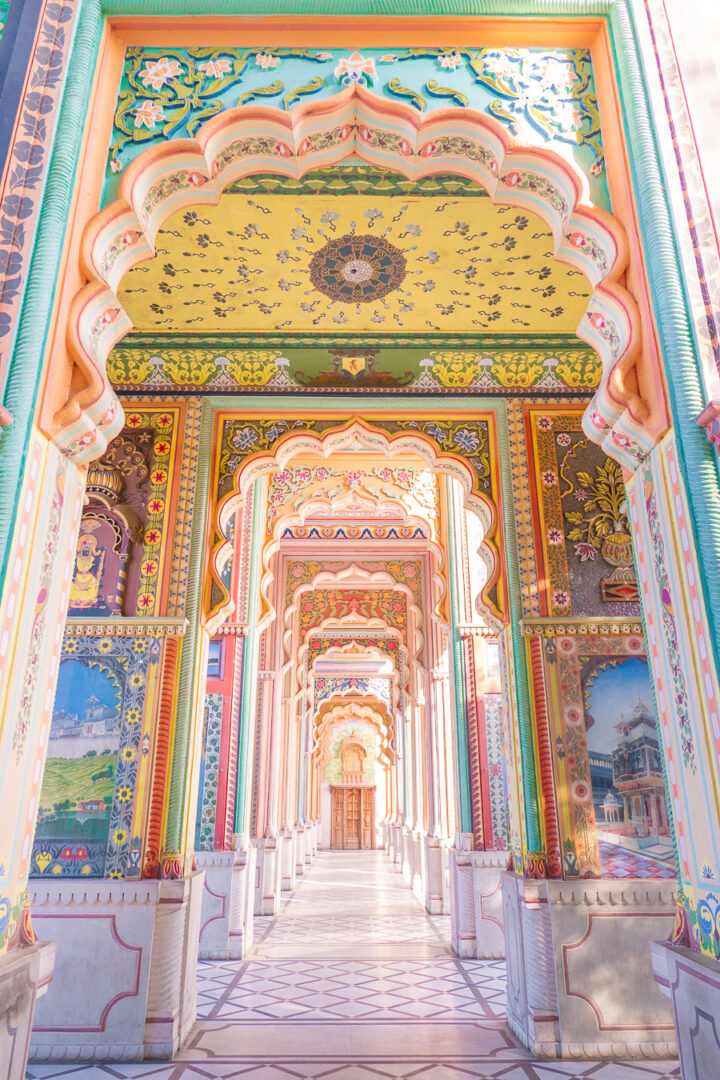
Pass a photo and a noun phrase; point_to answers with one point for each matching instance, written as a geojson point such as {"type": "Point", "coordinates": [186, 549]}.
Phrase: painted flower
{"type": "Point", "coordinates": [149, 567]}
{"type": "Point", "coordinates": [549, 478]}
{"type": "Point", "coordinates": [573, 715]}
{"type": "Point", "coordinates": [544, 423]}
{"type": "Point", "coordinates": [497, 63]}
{"type": "Point", "coordinates": [139, 645]}
{"type": "Point", "coordinates": [513, 179]}
{"type": "Point", "coordinates": [356, 69]}
{"type": "Point", "coordinates": [148, 115]}
{"type": "Point", "coordinates": [136, 680]}
{"type": "Point", "coordinates": [124, 794]}
{"type": "Point", "coordinates": [132, 716]}
{"type": "Point", "coordinates": [564, 439]}
{"type": "Point", "coordinates": [450, 61]}
{"type": "Point", "coordinates": [215, 69]}
{"type": "Point", "coordinates": [596, 168]}
{"type": "Point", "coordinates": [323, 56]}
{"type": "Point", "coordinates": [128, 753]}
{"type": "Point", "coordinates": [159, 476]}
{"type": "Point", "coordinates": [284, 476]}
{"type": "Point", "coordinates": [707, 872]}
{"type": "Point", "coordinates": [580, 791]}
{"type": "Point", "coordinates": [66, 853]}
{"type": "Point", "coordinates": [105, 645]}
{"type": "Point", "coordinates": [555, 536]}
{"type": "Point", "coordinates": [560, 598]}
{"type": "Point", "coordinates": [322, 473]}
{"type": "Point", "coordinates": [597, 320]}
{"type": "Point", "coordinates": [156, 506]}
{"type": "Point", "coordinates": [581, 494]}
{"type": "Point", "coordinates": [466, 439]}
{"type": "Point", "coordinates": [129, 237]}
{"type": "Point", "coordinates": [585, 552]}
{"type": "Point", "coordinates": [115, 165]}
{"type": "Point", "coordinates": [115, 875]}
{"type": "Point", "coordinates": [152, 536]}
{"type": "Point", "coordinates": [70, 646]}
{"type": "Point", "coordinates": [159, 72]}
{"type": "Point", "coordinates": [265, 61]}
{"type": "Point", "coordinates": [244, 438]}
{"type": "Point", "coordinates": [162, 447]}
{"type": "Point", "coordinates": [119, 836]}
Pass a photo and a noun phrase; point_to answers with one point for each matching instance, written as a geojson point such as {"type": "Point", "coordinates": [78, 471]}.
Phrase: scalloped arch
{"type": "Point", "coordinates": [354, 122]}
{"type": "Point", "coordinates": [349, 434]}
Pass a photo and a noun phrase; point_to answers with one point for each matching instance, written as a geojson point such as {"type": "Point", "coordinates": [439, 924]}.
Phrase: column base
{"type": "Point", "coordinates": [268, 875]}
{"type": "Point", "coordinates": [289, 844]}
{"type": "Point", "coordinates": [692, 982]}
{"type": "Point", "coordinates": [24, 976]}
{"type": "Point", "coordinates": [487, 870]}
{"type": "Point", "coordinates": [124, 986]}
{"type": "Point", "coordinates": [226, 927]}
{"type": "Point", "coordinates": [580, 982]}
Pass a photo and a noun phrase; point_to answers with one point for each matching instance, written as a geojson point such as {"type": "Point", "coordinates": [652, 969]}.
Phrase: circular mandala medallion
{"type": "Point", "coordinates": [357, 269]}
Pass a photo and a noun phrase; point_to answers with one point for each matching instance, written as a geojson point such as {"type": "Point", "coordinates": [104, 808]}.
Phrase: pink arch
{"type": "Point", "coordinates": [392, 135]}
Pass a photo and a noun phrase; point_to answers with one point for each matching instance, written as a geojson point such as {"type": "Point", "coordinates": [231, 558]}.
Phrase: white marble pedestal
{"type": "Point", "coordinates": [692, 982]}
{"type": "Point", "coordinates": [24, 977]}
{"type": "Point", "coordinates": [226, 926]}
{"type": "Point", "coordinates": [124, 986]}
{"type": "Point", "coordinates": [476, 908]}
{"type": "Point", "coordinates": [580, 980]}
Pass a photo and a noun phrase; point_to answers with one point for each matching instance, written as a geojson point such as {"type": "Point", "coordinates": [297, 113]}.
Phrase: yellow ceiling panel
{"type": "Point", "coordinates": [324, 262]}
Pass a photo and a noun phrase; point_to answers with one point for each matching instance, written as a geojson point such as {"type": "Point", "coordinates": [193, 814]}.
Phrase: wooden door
{"type": "Point", "coordinates": [352, 817]}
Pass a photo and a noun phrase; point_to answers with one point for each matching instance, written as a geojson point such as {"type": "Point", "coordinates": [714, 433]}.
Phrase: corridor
{"type": "Point", "coordinates": [353, 981]}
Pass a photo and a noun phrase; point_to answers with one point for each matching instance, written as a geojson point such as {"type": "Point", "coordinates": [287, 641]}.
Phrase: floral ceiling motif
{"type": "Point", "coordinates": [358, 268]}
{"type": "Point", "coordinates": [542, 97]}
{"type": "Point", "coordinates": [361, 263]}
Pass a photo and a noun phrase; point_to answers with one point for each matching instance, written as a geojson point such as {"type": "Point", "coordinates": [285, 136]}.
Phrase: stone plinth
{"type": "Point", "coordinates": [128, 951]}
{"type": "Point", "coordinates": [487, 868]}
{"type": "Point", "coordinates": [226, 924]}
{"type": "Point", "coordinates": [268, 879]}
{"type": "Point", "coordinates": [692, 982]}
{"type": "Point", "coordinates": [580, 980]}
{"type": "Point", "coordinates": [24, 977]}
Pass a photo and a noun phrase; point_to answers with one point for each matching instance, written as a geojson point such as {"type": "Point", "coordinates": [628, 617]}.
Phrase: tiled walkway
{"type": "Point", "coordinates": [353, 981]}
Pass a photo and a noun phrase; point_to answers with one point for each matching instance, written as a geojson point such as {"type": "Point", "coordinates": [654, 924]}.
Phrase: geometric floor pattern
{"type": "Point", "coordinates": [618, 863]}
{"type": "Point", "coordinates": [352, 980]}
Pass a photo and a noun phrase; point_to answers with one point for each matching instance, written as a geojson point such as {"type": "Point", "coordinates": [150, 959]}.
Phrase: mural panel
{"type": "Point", "coordinates": [582, 531]}
{"type": "Point", "coordinates": [540, 96]}
{"type": "Point", "coordinates": [96, 740]}
{"type": "Point", "coordinates": [609, 783]}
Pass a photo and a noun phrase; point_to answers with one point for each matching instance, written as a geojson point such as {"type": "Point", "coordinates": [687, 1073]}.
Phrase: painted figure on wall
{"type": "Point", "coordinates": [89, 562]}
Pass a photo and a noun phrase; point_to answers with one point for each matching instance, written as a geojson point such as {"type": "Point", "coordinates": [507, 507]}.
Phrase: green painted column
{"type": "Point", "coordinates": [23, 380]}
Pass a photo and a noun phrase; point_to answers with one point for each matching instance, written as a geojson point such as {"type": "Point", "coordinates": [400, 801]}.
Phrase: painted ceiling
{"type": "Point", "coordinates": [362, 263]}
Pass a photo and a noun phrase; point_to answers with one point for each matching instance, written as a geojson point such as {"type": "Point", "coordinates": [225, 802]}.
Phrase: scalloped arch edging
{"type": "Point", "coordinates": [355, 122]}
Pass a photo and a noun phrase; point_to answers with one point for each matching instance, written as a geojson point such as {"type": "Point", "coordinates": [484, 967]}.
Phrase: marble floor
{"type": "Point", "coordinates": [353, 981]}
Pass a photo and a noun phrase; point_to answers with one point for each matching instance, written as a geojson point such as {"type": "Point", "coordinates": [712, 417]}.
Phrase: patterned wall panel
{"type": "Point", "coordinates": [96, 741]}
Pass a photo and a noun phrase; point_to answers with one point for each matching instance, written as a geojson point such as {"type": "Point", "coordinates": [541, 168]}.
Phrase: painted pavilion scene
{"type": "Point", "coordinates": [359, 540]}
